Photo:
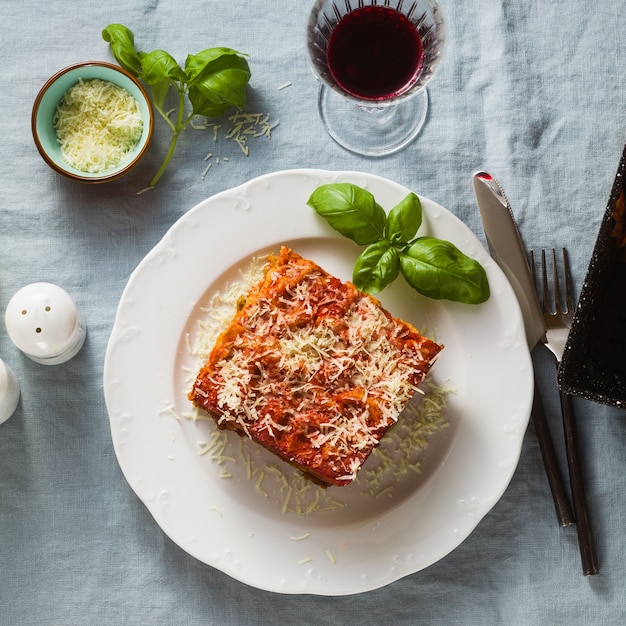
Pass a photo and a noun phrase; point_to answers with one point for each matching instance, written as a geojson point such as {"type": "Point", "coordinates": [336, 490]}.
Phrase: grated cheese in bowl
{"type": "Point", "coordinates": [98, 124]}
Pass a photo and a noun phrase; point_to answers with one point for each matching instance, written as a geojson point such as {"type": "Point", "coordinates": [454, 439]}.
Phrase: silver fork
{"type": "Point", "coordinates": [558, 317]}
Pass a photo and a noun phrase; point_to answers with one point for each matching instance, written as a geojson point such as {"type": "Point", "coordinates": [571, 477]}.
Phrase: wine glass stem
{"type": "Point", "coordinates": [372, 130]}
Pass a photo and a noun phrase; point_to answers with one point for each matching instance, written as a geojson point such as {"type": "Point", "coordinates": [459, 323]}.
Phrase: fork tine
{"type": "Point", "coordinates": [569, 288]}
{"type": "Point", "coordinates": [547, 304]}
{"type": "Point", "coordinates": [558, 307]}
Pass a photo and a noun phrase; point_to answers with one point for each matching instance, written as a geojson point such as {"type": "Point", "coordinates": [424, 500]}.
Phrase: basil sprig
{"type": "Point", "coordinates": [214, 80]}
{"type": "Point", "coordinates": [434, 267]}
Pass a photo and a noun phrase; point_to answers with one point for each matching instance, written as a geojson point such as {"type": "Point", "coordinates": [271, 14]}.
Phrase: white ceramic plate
{"type": "Point", "coordinates": [209, 504]}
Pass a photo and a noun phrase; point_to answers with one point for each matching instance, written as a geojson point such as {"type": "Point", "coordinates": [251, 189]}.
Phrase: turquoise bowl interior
{"type": "Point", "coordinates": [46, 103]}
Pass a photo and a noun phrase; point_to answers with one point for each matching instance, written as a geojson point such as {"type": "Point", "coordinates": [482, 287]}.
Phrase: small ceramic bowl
{"type": "Point", "coordinates": [45, 107]}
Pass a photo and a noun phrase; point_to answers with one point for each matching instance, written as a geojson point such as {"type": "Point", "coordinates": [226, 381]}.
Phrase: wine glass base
{"type": "Point", "coordinates": [372, 131]}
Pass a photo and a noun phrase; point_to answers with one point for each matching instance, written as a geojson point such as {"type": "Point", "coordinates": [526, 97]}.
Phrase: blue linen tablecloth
{"type": "Point", "coordinates": [533, 92]}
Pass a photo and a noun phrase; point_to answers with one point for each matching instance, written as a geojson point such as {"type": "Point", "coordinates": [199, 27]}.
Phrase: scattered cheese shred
{"type": "Point", "coordinates": [300, 537]}
{"type": "Point", "coordinates": [169, 408]}
{"type": "Point", "coordinates": [98, 124]}
{"type": "Point", "coordinates": [241, 126]}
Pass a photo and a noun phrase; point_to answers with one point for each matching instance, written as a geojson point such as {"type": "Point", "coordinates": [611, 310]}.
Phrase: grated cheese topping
{"type": "Point", "coordinates": [98, 124]}
{"type": "Point", "coordinates": [313, 369]}
{"type": "Point", "coordinates": [391, 465]}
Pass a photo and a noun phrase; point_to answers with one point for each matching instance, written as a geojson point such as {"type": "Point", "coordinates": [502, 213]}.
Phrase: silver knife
{"type": "Point", "coordinates": [507, 250]}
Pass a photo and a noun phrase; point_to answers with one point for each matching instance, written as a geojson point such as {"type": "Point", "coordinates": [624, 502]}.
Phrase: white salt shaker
{"type": "Point", "coordinates": [9, 392]}
{"type": "Point", "coordinates": [44, 323]}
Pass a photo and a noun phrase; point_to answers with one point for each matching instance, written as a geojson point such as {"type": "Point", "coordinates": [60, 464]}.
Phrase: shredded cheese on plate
{"type": "Point", "coordinates": [391, 464]}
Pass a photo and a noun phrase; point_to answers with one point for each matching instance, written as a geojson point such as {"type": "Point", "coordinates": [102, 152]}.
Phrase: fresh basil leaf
{"type": "Point", "coordinates": [404, 219]}
{"type": "Point", "coordinates": [159, 65]}
{"type": "Point", "coordinates": [122, 42]}
{"type": "Point", "coordinates": [203, 106]}
{"type": "Point", "coordinates": [350, 210]}
{"type": "Point", "coordinates": [159, 92]}
{"type": "Point", "coordinates": [197, 64]}
{"type": "Point", "coordinates": [377, 266]}
{"type": "Point", "coordinates": [439, 270]}
{"type": "Point", "coordinates": [222, 82]}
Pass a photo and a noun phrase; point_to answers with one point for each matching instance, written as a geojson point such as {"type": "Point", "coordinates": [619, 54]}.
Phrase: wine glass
{"type": "Point", "coordinates": [374, 60]}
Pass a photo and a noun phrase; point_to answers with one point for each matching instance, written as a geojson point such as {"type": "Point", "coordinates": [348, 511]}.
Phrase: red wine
{"type": "Point", "coordinates": [374, 53]}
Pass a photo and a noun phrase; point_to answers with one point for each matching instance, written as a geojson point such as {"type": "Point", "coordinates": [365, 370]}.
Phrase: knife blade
{"type": "Point", "coordinates": [507, 250]}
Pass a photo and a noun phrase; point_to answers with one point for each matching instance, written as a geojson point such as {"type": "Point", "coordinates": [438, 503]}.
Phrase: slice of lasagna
{"type": "Point", "coordinates": [313, 369]}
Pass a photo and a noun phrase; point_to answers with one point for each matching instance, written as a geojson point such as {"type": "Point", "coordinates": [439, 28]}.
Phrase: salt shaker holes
{"type": "Point", "coordinates": [43, 321]}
